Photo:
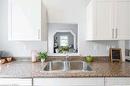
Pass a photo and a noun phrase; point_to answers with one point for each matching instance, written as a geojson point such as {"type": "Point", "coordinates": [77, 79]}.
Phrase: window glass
{"type": "Point", "coordinates": [63, 40]}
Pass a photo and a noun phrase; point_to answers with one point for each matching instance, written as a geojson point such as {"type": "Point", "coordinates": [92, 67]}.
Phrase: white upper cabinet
{"type": "Point", "coordinates": [123, 19]}
{"type": "Point", "coordinates": [108, 20]}
{"type": "Point", "coordinates": [104, 20]}
{"type": "Point", "coordinates": [25, 19]}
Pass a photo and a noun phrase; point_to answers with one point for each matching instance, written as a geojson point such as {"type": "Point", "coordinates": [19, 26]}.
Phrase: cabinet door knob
{"type": "Point", "coordinates": [113, 33]}
{"type": "Point", "coordinates": [116, 32]}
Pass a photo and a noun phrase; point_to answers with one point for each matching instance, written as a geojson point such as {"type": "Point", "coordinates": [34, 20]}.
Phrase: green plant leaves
{"type": "Point", "coordinates": [42, 55]}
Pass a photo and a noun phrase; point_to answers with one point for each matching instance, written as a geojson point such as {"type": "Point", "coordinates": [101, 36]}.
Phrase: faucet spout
{"type": "Point", "coordinates": [66, 58]}
{"type": "Point", "coordinates": [66, 63]}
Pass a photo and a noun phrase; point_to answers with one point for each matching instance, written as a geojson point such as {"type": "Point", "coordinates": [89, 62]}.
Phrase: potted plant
{"type": "Point", "coordinates": [64, 49]}
{"type": "Point", "coordinates": [89, 59]}
{"type": "Point", "coordinates": [42, 56]}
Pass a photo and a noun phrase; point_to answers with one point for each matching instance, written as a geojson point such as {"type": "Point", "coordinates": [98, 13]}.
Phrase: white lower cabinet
{"type": "Point", "coordinates": [15, 82]}
{"type": "Point", "coordinates": [119, 81]}
{"type": "Point", "coordinates": [112, 81]}
{"type": "Point", "coordinates": [68, 82]}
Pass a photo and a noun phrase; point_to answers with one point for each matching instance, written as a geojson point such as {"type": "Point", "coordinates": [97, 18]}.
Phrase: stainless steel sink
{"type": "Point", "coordinates": [54, 65]}
{"type": "Point", "coordinates": [67, 66]}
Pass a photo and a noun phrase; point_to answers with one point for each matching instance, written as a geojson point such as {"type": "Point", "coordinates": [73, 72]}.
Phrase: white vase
{"type": "Point", "coordinates": [42, 60]}
{"type": "Point", "coordinates": [34, 55]}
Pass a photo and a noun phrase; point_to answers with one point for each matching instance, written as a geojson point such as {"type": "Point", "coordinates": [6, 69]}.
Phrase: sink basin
{"type": "Point", "coordinates": [67, 66]}
{"type": "Point", "coordinates": [79, 65]}
{"type": "Point", "coordinates": [54, 65]}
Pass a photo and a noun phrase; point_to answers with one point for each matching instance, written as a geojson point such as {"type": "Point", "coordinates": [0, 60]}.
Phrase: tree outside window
{"type": "Point", "coordinates": [64, 41]}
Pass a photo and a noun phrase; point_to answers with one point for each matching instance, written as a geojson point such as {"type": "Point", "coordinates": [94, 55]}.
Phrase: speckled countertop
{"type": "Point", "coordinates": [19, 69]}
{"type": "Point", "coordinates": [99, 70]}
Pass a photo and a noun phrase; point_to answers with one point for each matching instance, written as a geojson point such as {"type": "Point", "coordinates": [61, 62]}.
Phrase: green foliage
{"type": "Point", "coordinates": [42, 55]}
{"type": "Point", "coordinates": [63, 48]}
{"type": "Point", "coordinates": [89, 58]}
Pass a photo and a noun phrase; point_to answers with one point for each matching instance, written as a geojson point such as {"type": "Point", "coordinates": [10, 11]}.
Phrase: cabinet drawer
{"type": "Point", "coordinates": [15, 82]}
{"type": "Point", "coordinates": [119, 81]}
{"type": "Point", "coordinates": [69, 82]}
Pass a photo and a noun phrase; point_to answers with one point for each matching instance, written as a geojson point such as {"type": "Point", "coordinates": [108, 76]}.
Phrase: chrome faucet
{"type": "Point", "coordinates": [66, 63]}
{"type": "Point", "coordinates": [66, 57]}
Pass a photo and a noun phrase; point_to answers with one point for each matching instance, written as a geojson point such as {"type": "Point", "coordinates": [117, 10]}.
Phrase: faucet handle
{"type": "Point", "coordinates": [67, 56]}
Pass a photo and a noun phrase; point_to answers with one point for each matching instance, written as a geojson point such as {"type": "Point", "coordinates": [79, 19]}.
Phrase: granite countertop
{"type": "Point", "coordinates": [19, 69]}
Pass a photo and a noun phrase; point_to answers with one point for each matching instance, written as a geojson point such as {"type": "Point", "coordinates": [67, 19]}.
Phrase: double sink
{"type": "Point", "coordinates": [67, 66]}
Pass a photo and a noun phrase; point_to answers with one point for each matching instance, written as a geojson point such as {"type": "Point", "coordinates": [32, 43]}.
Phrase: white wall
{"type": "Point", "coordinates": [74, 11]}
{"type": "Point", "coordinates": [59, 11]}
{"type": "Point", "coordinates": [18, 49]}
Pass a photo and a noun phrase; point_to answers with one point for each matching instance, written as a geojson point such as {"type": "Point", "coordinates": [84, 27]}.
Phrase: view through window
{"type": "Point", "coordinates": [64, 41]}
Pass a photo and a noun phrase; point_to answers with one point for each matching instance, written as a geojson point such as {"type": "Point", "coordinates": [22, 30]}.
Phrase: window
{"type": "Point", "coordinates": [64, 41]}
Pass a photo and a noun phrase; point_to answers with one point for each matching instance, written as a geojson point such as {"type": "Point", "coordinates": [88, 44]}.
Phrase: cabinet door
{"type": "Point", "coordinates": [25, 19]}
{"type": "Point", "coordinates": [69, 82]}
{"type": "Point", "coordinates": [15, 82]}
{"type": "Point", "coordinates": [104, 20]}
{"type": "Point", "coordinates": [117, 81]}
{"type": "Point", "coordinates": [91, 24]}
{"type": "Point", "coordinates": [123, 19]}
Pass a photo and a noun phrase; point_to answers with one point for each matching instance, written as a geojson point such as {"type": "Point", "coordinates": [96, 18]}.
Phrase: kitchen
{"type": "Point", "coordinates": [97, 23]}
